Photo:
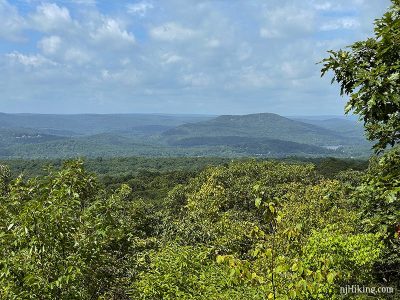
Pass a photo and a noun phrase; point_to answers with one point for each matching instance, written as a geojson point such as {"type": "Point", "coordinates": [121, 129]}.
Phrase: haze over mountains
{"type": "Point", "coordinates": [85, 124]}
{"type": "Point", "coordinates": [264, 134]}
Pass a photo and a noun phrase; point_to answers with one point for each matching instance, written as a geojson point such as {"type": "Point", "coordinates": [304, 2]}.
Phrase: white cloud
{"type": "Point", "coordinates": [213, 43]}
{"type": "Point", "coordinates": [324, 6]}
{"type": "Point", "coordinates": [112, 32]}
{"type": "Point", "coordinates": [125, 61]}
{"type": "Point", "coordinates": [77, 56]}
{"type": "Point", "coordinates": [11, 22]}
{"type": "Point", "coordinates": [289, 70]}
{"type": "Point", "coordinates": [171, 32]}
{"type": "Point", "coordinates": [252, 77]}
{"type": "Point", "coordinates": [50, 45]}
{"type": "Point", "coordinates": [196, 80]}
{"type": "Point", "coordinates": [126, 76]}
{"type": "Point", "coordinates": [50, 17]}
{"type": "Point", "coordinates": [341, 23]}
{"type": "Point", "coordinates": [29, 60]}
{"type": "Point", "coordinates": [269, 33]}
{"type": "Point", "coordinates": [287, 21]}
{"type": "Point", "coordinates": [297, 69]}
{"type": "Point", "coordinates": [227, 50]}
{"type": "Point", "coordinates": [170, 58]}
{"type": "Point", "coordinates": [140, 8]}
{"type": "Point", "coordinates": [244, 52]}
{"type": "Point", "coordinates": [85, 2]}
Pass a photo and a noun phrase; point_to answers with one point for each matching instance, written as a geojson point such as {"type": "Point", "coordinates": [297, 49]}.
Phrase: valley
{"type": "Point", "coordinates": [254, 135]}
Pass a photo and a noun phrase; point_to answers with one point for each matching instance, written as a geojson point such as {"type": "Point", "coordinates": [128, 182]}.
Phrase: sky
{"type": "Point", "coordinates": [176, 56]}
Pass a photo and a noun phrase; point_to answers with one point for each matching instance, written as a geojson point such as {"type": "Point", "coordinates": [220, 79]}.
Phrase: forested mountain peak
{"type": "Point", "coordinates": [262, 125]}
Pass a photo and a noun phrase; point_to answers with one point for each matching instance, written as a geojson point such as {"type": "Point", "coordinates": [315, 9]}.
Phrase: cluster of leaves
{"type": "Point", "coordinates": [5, 176]}
{"type": "Point", "coordinates": [255, 230]}
{"type": "Point", "coordinates": [369, 72]}
{"type": "Point", "coordinates": [247, 230]}
{"type": "Point", "coordinates": [379, 200]}
{"type": "Point", "coordinates": [61, 237]}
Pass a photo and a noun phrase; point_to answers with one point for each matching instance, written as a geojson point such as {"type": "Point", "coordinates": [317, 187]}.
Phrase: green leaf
{"type": "Point", "coordinates": [220, 259]}
{"type": "Point", "coordinates": [271, 207]}
{"type": "Point", "coordinates": [278, 219]}
{"type": "Point", "coordinates": [232, 273]}
{"type": "Point", "coordinates": [258, 202]}
{"type": "Point", "coordinates": [295, 267]}
{"type": "Point", "coordinates": [331, 277]}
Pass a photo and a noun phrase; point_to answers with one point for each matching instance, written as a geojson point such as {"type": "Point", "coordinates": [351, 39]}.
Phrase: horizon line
{"type": "Point", "coordinates": [175, 114]}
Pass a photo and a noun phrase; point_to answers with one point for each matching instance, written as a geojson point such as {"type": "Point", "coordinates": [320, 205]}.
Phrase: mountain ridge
{"type": "Point", "coordinates": [262, 134]}
{"type": "Point", "coordinates": [261, 125]}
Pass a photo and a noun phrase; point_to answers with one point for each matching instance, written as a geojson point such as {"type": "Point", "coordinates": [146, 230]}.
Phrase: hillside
{"type": "Point", "coordinates": [253, 146]}
{"type": "Point", "coordinates": [267, 135]}
{"type": "Point", "coordinates": [265, 125]}
{"type": "Point", "coordinates": [345, 126]}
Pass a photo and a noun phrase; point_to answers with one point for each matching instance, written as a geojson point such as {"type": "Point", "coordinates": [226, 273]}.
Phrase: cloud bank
{"type": "Point", "coordinates": [175, 56]}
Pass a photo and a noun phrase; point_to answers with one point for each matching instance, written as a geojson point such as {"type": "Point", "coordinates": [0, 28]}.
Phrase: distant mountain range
{"type": "Point", "coordinates": [85, 124]}
{"type": "Point", "coordinates": [264, 134]}
{"type": "Point", "coordinates": [265, 125]}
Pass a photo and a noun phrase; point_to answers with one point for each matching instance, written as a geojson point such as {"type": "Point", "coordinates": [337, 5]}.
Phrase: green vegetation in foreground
{"type": "Point", "coordinates": [152, 178]}
{"type": "Point", "coordinates": [217, 234]}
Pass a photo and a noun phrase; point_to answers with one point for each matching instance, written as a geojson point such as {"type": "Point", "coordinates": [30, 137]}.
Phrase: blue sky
{"type": "Point", "coordinates": [175, 56]}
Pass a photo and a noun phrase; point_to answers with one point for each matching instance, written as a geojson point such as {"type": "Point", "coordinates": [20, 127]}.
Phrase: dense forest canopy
{"type": "Point", "coordinates": [207, 236]}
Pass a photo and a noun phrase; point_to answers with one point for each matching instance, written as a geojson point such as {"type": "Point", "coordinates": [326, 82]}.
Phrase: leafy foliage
{"type": "Point", "coordinates": [189, 272]}
{"type": "Point", "coordinates": [303, 248]}
{"type": "Point", "coordinates": [5, 176]}
{"type": "Point", "coordinates": [245, 230]}
{"type": "Point", "coordinates": [379, 199]}
{"type": "Point", "coordinates": [370, 74]}
{"type": "Point", "coordinates": [61, 238]}
{"type": "Point", "coordinates": [269, 235]}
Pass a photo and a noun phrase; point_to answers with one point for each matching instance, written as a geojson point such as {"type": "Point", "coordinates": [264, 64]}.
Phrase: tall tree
{"type": "Point", "coordinates": [369, 72]}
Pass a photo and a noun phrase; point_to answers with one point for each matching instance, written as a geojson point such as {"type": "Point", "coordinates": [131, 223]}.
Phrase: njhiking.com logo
{"type": "Point", "coordinates": [366, 290]}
